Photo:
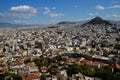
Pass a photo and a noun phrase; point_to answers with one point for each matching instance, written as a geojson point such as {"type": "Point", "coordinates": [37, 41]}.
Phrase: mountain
{"type": "Point", "coordinates": [2, 24]}
{"type": "Point", "coordinates": [94, 21]}
{"type": "Point", "coordinates": [65, 22]}
{"type": "Point", "coordinates": [97, 20]}
{"type": "Point", "coordinates": [5, 25]}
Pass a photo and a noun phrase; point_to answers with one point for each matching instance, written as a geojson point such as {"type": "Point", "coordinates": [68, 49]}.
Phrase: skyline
{"type": "Point", "coordinates": [53, 11]}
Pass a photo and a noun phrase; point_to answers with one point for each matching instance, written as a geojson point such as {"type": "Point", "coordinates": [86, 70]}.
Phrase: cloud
{"type": "Point", "coordinates": [20, 21]}
{"type": "Point", "coordinates": [55, 21]}
{"type": "Point", "coordinates": [92, 14]}
{"type": "Point", "coordinates": [53, 8]}
{"type": "Point", "coordinates": [48, 11]}
{"type": "Point", "coordinates": [23, 8]}
{"type": "Point", "coordinates": [115, 6]}
{"type": "Point", "coordinates": [113, 17]}
{"type": "Point", "coordinates": [55, 14]}
{"type": "Point", "coordinates": [15, 15]}
{"type": "Point", "coordinates": [48, 8]}
{"type": "Point", "coordinates": [19, 12]}
{"type": "Point", "coordinates": [114, 1]}
{"type": "Point", "coordinates": [99, 7]}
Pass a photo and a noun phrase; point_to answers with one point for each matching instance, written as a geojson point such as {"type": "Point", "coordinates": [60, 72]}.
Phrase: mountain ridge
{"type": "Point", "coordinates": [98, 20]}
{"type": "Point", "coordinates": [94, 21]}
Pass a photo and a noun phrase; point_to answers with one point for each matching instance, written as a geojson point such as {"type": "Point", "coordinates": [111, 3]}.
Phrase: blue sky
{"type": "Point", "coordinates": [53, 11]}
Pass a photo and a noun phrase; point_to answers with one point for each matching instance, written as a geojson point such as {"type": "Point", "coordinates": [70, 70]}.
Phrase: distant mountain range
{"type": "Point", "coordinates": [67, 22]}
{"type": "Point", "coordinates": [94, 21]}
{"type": "Point", "coordinates": [4, 25]}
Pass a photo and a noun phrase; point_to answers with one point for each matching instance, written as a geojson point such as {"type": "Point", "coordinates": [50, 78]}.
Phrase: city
{"type": "Point", "coordinates": [62, 52]}
{"type": "Point", "coordinates": [60, 40]}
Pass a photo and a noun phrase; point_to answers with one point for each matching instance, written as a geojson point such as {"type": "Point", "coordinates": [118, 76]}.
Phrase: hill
{"type": "Point", "coordinates": [97, 20]}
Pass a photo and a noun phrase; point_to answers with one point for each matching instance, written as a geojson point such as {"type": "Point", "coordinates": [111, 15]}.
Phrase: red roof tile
{"type": "Point", "coordinates": [4, 69]}
{"type": "Point", "coordinates": [31, 76]}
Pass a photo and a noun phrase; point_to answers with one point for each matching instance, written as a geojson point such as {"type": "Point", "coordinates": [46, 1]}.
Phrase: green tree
{"type": "Point", "coordinates": [105, 53]}
{"type": "Point", "coordinates": [105, 73]}
{"type": "Point", "coordinates": [27, 61]}
{"type": "Point", "coordinates": [41, 61]}
{"type": "Point", "coordinates": [37, 62]}
{"type": "Point", "coordinates": [16, 77]}
{"type": "Point", "coordinates": [59, 58]}
{"type": "Point", "coordinates": [54, 70]}
{"type": "Point", "coordinates": [117, 46]}
{"type": "Point", "coordinates": [43, 77]}
{"type": "Point", "coordinates": [2, 76]}
{"type": "Point", "coordinates": [89, 72]}
{"type": "Point", "coordinates": [74, 69]}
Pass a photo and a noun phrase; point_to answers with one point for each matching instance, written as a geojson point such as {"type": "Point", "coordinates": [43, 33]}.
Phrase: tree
{"type": "Point", "coordinates": [105, 73]}
{"type": "Point", "coordinates": [60, 58]}
{"type": "Point", "coordinates": [89, 72]}
{"type": "Point", "coordinates": [43, 77]}
{"type": "Point", "coordinates": [2, 76]}
{"type": "Point", "coordinates": [54, 70]}
{"type": "Point", "coordinates": [41, 61]}
{"type": "Point", "coordinates": [105, 53]}
{"type": "Point", "coordinates": [16, 77]}
{"type": "Point", "coordinates": [117, 46]}
{"type": "Point", "coordinates": [37, 62]}
{"type": "Point", "coordinates": [74, 69]}
{"type": "Point", "coordinates": [27, 61]}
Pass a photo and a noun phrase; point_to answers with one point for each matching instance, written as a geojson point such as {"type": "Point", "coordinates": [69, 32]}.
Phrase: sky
{"type": "Point", "coordinates": [54, 11]}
